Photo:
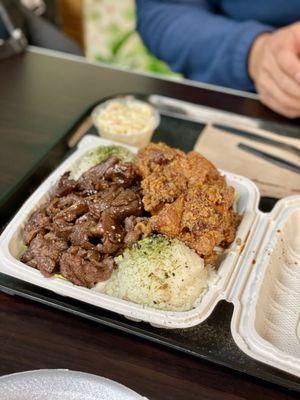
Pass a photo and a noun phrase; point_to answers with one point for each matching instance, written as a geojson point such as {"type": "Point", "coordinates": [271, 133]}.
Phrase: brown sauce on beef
{"type": "Point", "coordinates": [87, 223]}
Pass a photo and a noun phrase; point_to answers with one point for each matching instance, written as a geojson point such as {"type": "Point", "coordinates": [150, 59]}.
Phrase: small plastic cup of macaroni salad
{"type": "Point", "coordinates": [126, 120]}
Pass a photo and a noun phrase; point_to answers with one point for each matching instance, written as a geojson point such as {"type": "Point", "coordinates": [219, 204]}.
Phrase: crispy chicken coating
{"type": "Point", "coordinates": [187, 197]}
{"type": "Point", "coordinates": [161, 188]}
{"type": "Point", "coordinates": [168, 220]}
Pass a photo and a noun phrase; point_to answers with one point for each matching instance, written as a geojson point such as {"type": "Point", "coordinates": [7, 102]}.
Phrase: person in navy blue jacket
{"type": "Point", "coordinates": [242, 44]}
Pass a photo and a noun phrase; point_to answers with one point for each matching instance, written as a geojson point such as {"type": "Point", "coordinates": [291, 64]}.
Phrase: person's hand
{"type": "Point", "coordinates": [274, 66]}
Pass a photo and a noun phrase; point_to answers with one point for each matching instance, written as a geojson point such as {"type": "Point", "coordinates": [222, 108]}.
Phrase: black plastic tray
{"type": "Point", "coordinates": [210, 340]}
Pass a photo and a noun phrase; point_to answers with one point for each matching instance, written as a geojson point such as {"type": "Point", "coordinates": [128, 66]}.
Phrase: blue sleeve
{"type": "Point", "coordinates": [196, 41]}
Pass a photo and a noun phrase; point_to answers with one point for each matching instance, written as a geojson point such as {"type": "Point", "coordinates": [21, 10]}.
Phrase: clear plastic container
{"type": "Point", "coordinates": [260, 273]}
{"type": "Point", "coordinates": [114, 120]}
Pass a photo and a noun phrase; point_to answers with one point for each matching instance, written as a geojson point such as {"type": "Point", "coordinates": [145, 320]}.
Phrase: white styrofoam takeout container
{"type": "Point", "coordinates": [260, 273]}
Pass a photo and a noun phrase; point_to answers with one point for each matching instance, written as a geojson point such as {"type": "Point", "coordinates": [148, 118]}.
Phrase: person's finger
{"type": "Point", "coordinates": [267, 99]}
{"type": "Point", "coordinates": [267, 83]}
{"type": "Point", "coordinates": [271, 95]}
{"type": "Point", "coordinates": [295, 30]}
{"type": "Point", "coordinates": [289, 63]}
{"type": "Point", "coordinates": [288, 85]}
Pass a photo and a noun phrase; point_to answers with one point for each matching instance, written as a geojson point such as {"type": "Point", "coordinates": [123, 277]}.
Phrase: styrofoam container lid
{"type": "Point", "coordinates": [266, 319]}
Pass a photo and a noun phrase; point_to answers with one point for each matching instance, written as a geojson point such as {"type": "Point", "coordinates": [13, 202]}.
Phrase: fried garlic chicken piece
{"type": "Point", "coordinates": [207, 205]}
{"type": "Point", "coordinates": [168, 220]}
{"type": "Point", "coordinates": [168, 172]}
{"type": "Point", "coordinates": [187, 197]}
{"type": "Point", "coordinates": [231, 223]}
{"type": "Point", "coordinates": [199, 169]}
{"type": "Point", "coordinates": [154, 156]}
{"type": "Point", "coordinates": [162, 188]}
{"type": "Point", "coordinates": [163, 179]}
{"type": "Point", "coordinates": [205, 217]}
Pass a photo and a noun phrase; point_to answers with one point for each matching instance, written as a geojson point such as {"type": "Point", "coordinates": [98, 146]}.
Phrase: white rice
{"type": "Point", "coordinates": [160, 273]}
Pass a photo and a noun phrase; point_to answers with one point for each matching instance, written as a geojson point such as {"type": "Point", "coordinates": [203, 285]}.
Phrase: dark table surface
{"type": "Point", "coordinates": [41, 97]}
